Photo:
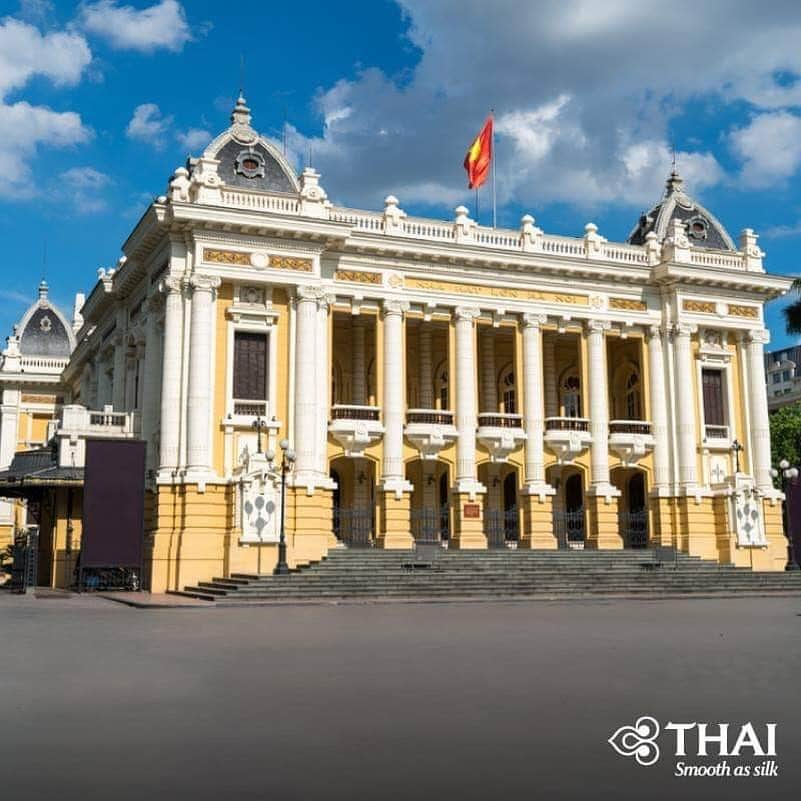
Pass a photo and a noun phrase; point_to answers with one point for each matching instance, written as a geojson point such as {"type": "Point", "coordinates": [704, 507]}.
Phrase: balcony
{"type": "Point", "coordinates": [78, 424]}
{"type": "Point", "coordinates": [630, 439]}
{"type": "Point", "coordinates": [500, 434]}
{"type": "Point", "coordinates": [355, 428]}
{"type": "Point", "coordinates": [430, 430]}
{"type": "Point", "coordinates": [717, 437]}
{"type": "Point", "coordinates": [567, 437]}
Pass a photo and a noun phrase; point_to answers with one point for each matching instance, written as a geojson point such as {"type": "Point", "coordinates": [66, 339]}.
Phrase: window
{"type": "Point", "coordinates": [786, 375]}
{"type": "Point", "coordinates": [442, 390]}
{"type": "Point", "coordinates": [571, 396]}
{"type": "Point", "coordinates": [633, 409]}
{"type": "Point", "coordinates": [509, 392]}
{"type": "Point", "coordinates": [250, 373]}
{"type": "Point", "coordinates": [714, 409]}
{"type": "Point", "coordinates": [777, 377]}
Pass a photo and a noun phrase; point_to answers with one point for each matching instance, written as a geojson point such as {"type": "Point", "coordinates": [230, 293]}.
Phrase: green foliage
{"type": "Point", "coordinates": [785, 434]}
{"type": "Point", "coordinates": [792, 313]}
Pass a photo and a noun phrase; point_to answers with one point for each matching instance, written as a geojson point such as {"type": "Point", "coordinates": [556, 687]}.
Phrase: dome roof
{"type": "Point", "coordinates": [703, 228]}
{"type": "Point", "coordinates": [44, 331]}
{"type": "Point", "coordinates": [247, 159]}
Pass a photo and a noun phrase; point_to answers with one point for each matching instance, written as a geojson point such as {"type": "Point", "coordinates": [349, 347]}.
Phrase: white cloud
{"type": "Point", "coordinates": [194, 139]}
{"type": "Point", "coordinates": [770, 147]}
{"type": "Point", "coordinates": [163, 25]}
{"type": "Point", "coordinates": [81, 188]}
{"type": "Point", "coordinates": [24, 52]}
{"type": "Point", "coordinates": [148, 125]}
{"type": "Point", "coordinates": [584, 94]}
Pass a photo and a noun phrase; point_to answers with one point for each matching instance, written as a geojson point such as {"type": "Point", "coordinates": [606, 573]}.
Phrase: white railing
{"type": "Point", "coordinates": [420, 228]}
{"type": "Point", "coordinates": [629, 254]}
{"type": "Point", "coordinates": [43, 364]}
{"type": "Point", "coordinates": [260, 201]}
{"type": "Point", "coordinates": [711, 258]}
{"type": "Point", "coordinates": [79, 421]}
{"type": "Point", "coordinates": [361, 220]}
{"type": "Point", "coordinates": [563, 246]}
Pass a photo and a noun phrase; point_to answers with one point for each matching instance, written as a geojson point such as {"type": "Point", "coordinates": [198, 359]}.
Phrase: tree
{"type": "Point", "coordinates": [785, 434]}
{"type": "Point", "coordinates": [792, 313]}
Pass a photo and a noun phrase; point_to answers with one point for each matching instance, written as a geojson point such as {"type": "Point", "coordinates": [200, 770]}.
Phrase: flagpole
{"type": "Point", "coordinates": [494, 156]}
{"type": "Point", "coordinates": [477, 209]}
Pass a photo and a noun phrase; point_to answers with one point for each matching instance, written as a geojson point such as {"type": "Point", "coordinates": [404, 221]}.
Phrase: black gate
{"type": "Point", "coordinates": [25, 556]}
{"type": "Point", "coordinates": [354, 526]}
{"type": "Point", "coordinates": [569, 528]}
{"type": "Point", "coordinates": [633, 528]}
{"type": "Point", "coordinates": [501, 526]}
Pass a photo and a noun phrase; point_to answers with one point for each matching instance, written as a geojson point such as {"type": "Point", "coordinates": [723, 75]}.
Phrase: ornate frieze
{"type": "Point", "coordinates": [627, 304]}
{"type": "Point", "coordinates": [495, 291]}
{"type": "Point", "coordinates": [239, 258]}
{"type": "Point", "coordinates": [357, 277]}
{"type": "Point", "coordinates": [226, 257]}
{"type": "Point", "coordinates": [737, 310]}
{"type": "Point", "coordinates": [698, 306]}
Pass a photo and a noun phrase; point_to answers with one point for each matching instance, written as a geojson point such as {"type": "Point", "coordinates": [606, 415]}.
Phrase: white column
{"type": "Point", "coordinates": [599, 402]}
{"type": "Point", "coordinates": [323, 393]}
{"type": "Point", "coordinates": [392, 478]}
{"type": "Point", "coordinates": [426, 374]}
{"type": "Point", "coordinates": [120, 372]}
{"type": "Point", "coordinates": [171, 374]}
{"type": "Point", "coordinates": [199, 393]}
{"type": "Point", "coordinates": [551, 392]}
{"type": "Point", "coordinates": [466, 422]}
{"type": "Point", "coordinates": [758, 407]}
{"type": "Point", "coordinates": [9, 435]}
{"type": "Point", "coordinates": [150, 377]}
{"type": "Point", "coordinates": [685, 407]}
{"type": "Point", "coordinates": [659, 414]}
{"type": "Point", "coordinates": [358, 368]}
{"type": "Point", "coordinates": [306, 406]}
{"type": "Point", "coordinates": [533, 401]}
{"type": "Point", "coordinates": [489, 384]}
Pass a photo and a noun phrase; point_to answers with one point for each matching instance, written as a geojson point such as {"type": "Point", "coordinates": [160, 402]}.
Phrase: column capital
{"type": "Point", "coordinates": [598, 326]}
{"type": "Point", "coordinates": [534, 320]}
{"type": "Point", "coordinates": [398, 307]}
{"type": "Point", "coordinates": [204, 283]}
{"type": "Point", "coordinates": [316, 293]}
{"type": "Point", "coordinates": [758, 336]}
{"type": "Point", "coordinates": [466, 313]}
{"type": "Point", "coordinates": [683, 330]}
{"type": "Point", "coordinates": [171, 284]}
{"type": "Point", "coordinates": [654, 332]}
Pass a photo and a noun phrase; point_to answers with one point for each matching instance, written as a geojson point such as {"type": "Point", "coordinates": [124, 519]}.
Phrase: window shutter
{"type": "Point", "coordinates": [250, 366]}
{"type": "Point", "coordinates": [712, 381]}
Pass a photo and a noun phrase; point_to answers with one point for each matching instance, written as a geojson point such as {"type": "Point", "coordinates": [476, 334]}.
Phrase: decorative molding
{"type": "Point", "coordinates": [42, 399]}
{"type": "Point", "coordinates": [738, 310]}
{"type": "Point", "coordinates": [358, 277]}
{"type": "Point", "coordinates": [466, 313]}
{"type": "Point", "coordinates": [698, 306]}
{"type": "Point", "coordinates": [291, 263]}
{"type": "Point", "coordinates": [395, 307]}
{"type": "Point", "coordinates": [239, 258]}
{"type": "Point", "coordinates": [235, 257]}
{"type": "Point", "coordinates": [627, 304]}
{"type": "Point", "coordinates": [495, 291]}
{"type": "Point", "coordinates": [204, 283]}
{"type": "Point", "coordinates": [534, 320]}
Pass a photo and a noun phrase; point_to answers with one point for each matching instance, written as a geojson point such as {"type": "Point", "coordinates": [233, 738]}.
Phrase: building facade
{"type": "Point", "coordinates": [783, 377]}
{"type": "Point", "coordinates": [438, 381]}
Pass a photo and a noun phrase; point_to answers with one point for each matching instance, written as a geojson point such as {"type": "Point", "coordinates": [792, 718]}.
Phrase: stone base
{"type": "Point", "coordinates": [664, 517]}
{"type": "Point", "coordinates": [468, 530]}
{"type": "Point", "coordinates": [538, 531]}
{"type": "Point", "coordinates": [604, 532]}
{"type": "Point", "coordinates": [395, 521]}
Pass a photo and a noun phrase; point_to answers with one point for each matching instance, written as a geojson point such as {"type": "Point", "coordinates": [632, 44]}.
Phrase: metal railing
{"type": "Point", "coordinates": [633, 528]}
{"type": "Point", "coordinates": [716, 432]}
{"type": "Point", "coordinates": [245, 408]}
{"type": "Point", "coordinates": [567, 424]}
{"type": "Point", "coordinates": [354, 526]}
{"type": "Point", "coordinates": [344, 412]}
{"type": "Point", "coordinates": [498, 420]}
{"type": "Point", "coordinates": [569, 527]}
{"type": "Point", "coordinates": [430, 524]}
{"type": "Point", "coordinates": [630, 427]}
{"type": "Point", "coordinates": [501, 526]}
{"type": "Point", "coordinates": [429, 417]}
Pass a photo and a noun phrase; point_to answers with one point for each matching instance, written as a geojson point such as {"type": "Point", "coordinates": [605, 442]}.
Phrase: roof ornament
{"type": "Point", "coordinates": [675, 183]}
{"type": "Point", "coordinates": [240, 122]}
{"type": "Point", "coordinates": [44, 289]}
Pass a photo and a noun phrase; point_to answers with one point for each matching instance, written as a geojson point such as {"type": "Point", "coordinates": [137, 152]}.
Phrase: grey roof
{"type": "Point", "coordinates": [269, 177]}
{"type": "Point", "coordinates": [39, 468]}
{"type": "Point", "coordinates": [44, 335]}
{"type": "Point", "coordinates": [703, 228]}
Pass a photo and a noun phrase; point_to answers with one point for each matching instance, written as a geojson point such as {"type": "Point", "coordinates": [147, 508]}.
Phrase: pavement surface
{"type": "Point", "coordinates": [423, 701]}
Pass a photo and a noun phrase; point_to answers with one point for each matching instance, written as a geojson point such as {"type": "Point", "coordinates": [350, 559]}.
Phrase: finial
{"type": "Point", "coordinates": [43, 289]}
{"type": "Point", "coordinates": [241, 113]}
{"type": "Point", "coordinates": [675, 183]}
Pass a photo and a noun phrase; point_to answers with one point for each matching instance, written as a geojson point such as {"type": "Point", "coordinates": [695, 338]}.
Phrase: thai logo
{"type": "Point", "coordinates": [638, 741]}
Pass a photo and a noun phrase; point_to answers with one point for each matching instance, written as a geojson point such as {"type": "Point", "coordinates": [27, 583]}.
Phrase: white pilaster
{"type": "Point", "coordinates": [659, 413]}
{"type": "Point", "coordinates": [201, 374]}
{"type": "Point", "coordinates": [171, 374]}
{"type": "Point", "coordinates": [758, 407]}
{"type": "Point", "coordinates": [120, 369]}
{"type": "Point", "coordinates": [426, 374]}
{"type": "Point", "coordinates": [686, 427]}
{"type": "Point", "coordinates": [392, 479]}
{"type": "Point", "coordinates": [358, 368]}
{"type": "Point", "coordinates": [9, 435]}
{"type": "Point", "coordinates": [466, 418]}
{"type": "Point", "coordinates": [549, 365]}
{"type": "Point", "coordinates": [150, 377]}
{"type": "Point", "coordinates": [323, 393]}
{"type": "Point", "coordinates": [599, 407]}
{"type": "Point", "coordinates": [534, 404]}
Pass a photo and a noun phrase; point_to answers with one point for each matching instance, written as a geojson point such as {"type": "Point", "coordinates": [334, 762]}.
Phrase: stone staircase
{"type": "Point", "coordinates": [363, 574]}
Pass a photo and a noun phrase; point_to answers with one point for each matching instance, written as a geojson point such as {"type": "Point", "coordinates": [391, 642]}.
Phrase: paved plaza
{"type": "Point", "coordinates": [376, 701]}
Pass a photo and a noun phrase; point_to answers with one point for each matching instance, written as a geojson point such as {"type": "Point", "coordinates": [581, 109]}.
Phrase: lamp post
{"type": "Point", "coordinates": [287, 462]}
{"type": "Point", "coordinates": [788, 474]}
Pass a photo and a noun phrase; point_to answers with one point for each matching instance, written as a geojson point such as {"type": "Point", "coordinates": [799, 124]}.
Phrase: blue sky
{"type": "Point", "coordinates": [101, 100]}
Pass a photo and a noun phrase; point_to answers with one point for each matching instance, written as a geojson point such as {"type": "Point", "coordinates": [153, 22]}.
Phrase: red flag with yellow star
{"type": "Point", "coordinates": [479, 156]}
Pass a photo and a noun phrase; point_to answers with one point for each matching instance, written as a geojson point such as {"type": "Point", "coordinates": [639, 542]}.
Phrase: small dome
{"type": "Point", "coordinates": [44, 331]}
{"type": "Point", "coordinates": [703, 228]}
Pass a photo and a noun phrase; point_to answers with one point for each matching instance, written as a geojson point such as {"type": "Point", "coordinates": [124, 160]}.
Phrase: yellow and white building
{"type": "Point", "coordinates": [438, 381]}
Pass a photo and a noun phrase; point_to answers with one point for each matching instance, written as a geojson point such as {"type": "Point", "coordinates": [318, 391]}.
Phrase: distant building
{"type": "Point", "coordinates": [783, 374]}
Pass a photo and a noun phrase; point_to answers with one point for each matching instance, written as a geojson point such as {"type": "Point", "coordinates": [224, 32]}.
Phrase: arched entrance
{"type": "Point", "coordinates": [430, 515]}
{"type": "Point", "coordinates": [632, 507]}
{"type": "Point", "coordinates": [501, 511]}
{"type": "Point", "coordinates": [354, 501]}
{"type": "Point", "coordinates": [568, 506]}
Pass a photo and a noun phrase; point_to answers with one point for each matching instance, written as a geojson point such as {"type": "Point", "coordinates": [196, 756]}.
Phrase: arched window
{"type": "Point", "coordinates": [632, 396]}
{"type": "Point", "coordinates": [443, 395]}
{"type": "Point", "coordinates": [571, 396]}
{"type": "Point", "coordinates": [509, 391]}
